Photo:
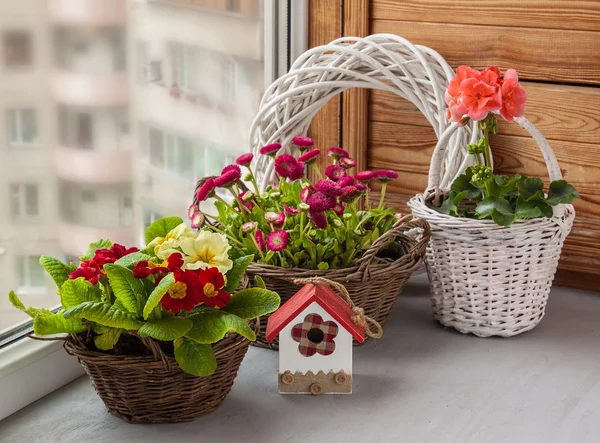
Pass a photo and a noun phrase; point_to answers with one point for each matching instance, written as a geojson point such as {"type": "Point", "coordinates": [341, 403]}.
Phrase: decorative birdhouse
{"type": "Point", "coordinates": [315, 330]}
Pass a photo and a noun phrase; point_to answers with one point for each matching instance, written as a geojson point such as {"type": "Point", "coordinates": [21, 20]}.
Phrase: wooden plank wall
{"type": "Point", "coordinates": [555, 47]}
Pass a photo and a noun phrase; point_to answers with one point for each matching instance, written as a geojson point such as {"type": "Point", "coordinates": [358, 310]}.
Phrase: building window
{"type": "Point", "coordinates": [186, 63]}
{"type": "Point", "coordinates": [88, 196]}
{"type": "Point", "coordinates": [30, 272]}
{"type": "Point", "coordinates": [173, 153]}
{"type": "Point", "coordinates": [22, 126]}
{"type": "Point", "coordinates": [17, 48]}
{"type": "Point", "coordinates": [229, 70]}
{"type": "Point", "coordinates": [24, 200]}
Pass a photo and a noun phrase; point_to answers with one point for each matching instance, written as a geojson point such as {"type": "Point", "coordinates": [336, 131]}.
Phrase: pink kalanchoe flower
{"type": "Point", "coordinates": [336, 153]}
{"type": "Point", "coordinates": [259, 236]}
{"type": "Point", "coordinates": [339, 209]}
{"type": "Point", "coordinates": [346, 181]}
{"type": "Point", "coordinates": [248, 226]}
{"type": "Point", "coordinates": [310, 157]}
{"type": "Point", "coordinates": [335, 172]}
{"type": "Point", "coordinates": [270, 150]}
{"type": "Point", "coordinates": [192, 210]}
{"type": "Point", "coordinates": [275, 218]}
{"type": "Point", "coordinates": [513, 96]}
{"type": "Point", "coordinates": [361, 188]}
{"type": "Point", "coordinates": [329, 187]}
{"type": "Point", "coordinates": [285, 165]}
{"type": "Point", "coordinates": [297, 172]}
{"type": "Point", "coordinates": [290, 211]}
{"type": "Point", "coordinates": [247, 203]}
{"type": "Point", "coordinates": [318, 219]}
{"type": "Point", "coordinates": [321, 202]}
{"type": "Point", "coordinates": [227, 179]}
{"type": "Point", "coordinates": [385, 175]}
{"type": "Point", "coordinates": [245, 159]}
{"type": "Point", "coordinates": [347, 162]}
{"type": "Point", "coordinates": [349, 195]}
{"type": "Point", "coordinates": [306, 193]}
{"type": "Point", "coordinates": [205, 191]}
{"type": "Point", "coordinates": [277, 240]}
{"type": "Point", "coordinates": [364, 176]}
{"type": "Point", "coordinates": [303, 143]}
{"type": "Point", "coordinates": [197, 220]}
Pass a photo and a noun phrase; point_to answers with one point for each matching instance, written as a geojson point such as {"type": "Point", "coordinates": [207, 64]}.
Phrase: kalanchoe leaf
{"type": "Point", "coordinates": [160, 228]}
{"type": "Point", "coordinates": [194, 358]}
{"type": "Point", "coordinates": [463, 183]}
{"type": "Point", "coordinates": [528, 209]}
{"type": "Point", "coordinates": [561, 192]}
{"type": "Point", "coordinates": [503, 219]}
{"type": "Point", "coordinates": [531, 189]}
{"type": "Point", "coordinates": [489, 205]}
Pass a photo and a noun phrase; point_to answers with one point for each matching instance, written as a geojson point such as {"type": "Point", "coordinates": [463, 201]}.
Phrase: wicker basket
{"type": "Point", "coordinates": [487, 279]}
{"type": "Point", "coordinates": [153, 389]}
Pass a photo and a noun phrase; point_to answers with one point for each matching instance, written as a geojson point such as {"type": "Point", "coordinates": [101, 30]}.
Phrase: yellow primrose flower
{"type": "Point", "coordinates": [165, 246]}
{"type": "Point", "coordinates": [208, 250]}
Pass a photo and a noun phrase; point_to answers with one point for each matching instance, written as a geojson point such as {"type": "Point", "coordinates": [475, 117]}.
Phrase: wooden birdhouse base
{"type": "Point", "coordinates": [316, 384]}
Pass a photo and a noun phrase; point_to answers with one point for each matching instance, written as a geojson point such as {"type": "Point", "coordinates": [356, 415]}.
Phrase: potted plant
{"type": "Point", "coordinates": [332, 226]}
{"type": "Point", "coordinates": [495, 239]}
{"type": "Point", "coordinates": [161, 332]}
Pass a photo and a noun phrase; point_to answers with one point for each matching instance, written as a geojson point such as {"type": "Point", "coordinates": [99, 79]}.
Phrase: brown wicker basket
{"type": "Point", "coordinates": [373, 284]}
{"type": "Point", "coordinates": [152, 388]}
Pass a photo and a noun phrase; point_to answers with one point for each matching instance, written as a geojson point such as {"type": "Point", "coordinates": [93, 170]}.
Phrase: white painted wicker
{"type": "Point", "coordinates": [381, 61]}
{"type": "Point", "coordinates": [486, 279]}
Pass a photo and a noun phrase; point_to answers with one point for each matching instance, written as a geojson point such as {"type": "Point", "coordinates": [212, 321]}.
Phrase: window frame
{"type": "Point", "coordinates": [15, 114]}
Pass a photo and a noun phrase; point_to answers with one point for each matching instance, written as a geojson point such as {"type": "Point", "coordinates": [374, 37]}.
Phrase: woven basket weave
{"type": "Point", "coordinates": [487, 279]}
{"type": "Point", "coordinates": [153, 389]}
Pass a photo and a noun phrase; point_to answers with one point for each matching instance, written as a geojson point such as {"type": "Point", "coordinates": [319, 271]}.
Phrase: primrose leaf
{"type": "Point", "coordinates": [74, 292]}
{"type": "Point", "coordinates": [211, 325]}
{"type": "Point", "coordinates": [166, 329]}
{"type": "Point", "coordinates": [100, 244]}
{"type": "Point", "coordinates": [130, 291]}
{"type": "Point", "coordinates": [160, 228]}
{"type": "Point", "coordinates": [259, 282]}
{"type": "Point", "coordinates": [561, 192]}
{"type": "Point", "coordinates": [32, 312]}
{"type": "Point", "coordinates": [132, 259]}
{"type": "Point", "coordinates": [194, 358]}
{"type": "Point", "coordinates": [253, 302]}
{"type": "Point", "coordinates": [531, 189]}
{"type": "Point", "coordinates": [104, 314]}
{"type": "Point", "coordinates": [157, 294]}
{"type": "Point", "coordinates": [234, 276]}
{"type": "Point", "coordinates": [107, 340]}
{"type": "Point", "coordinates": [56, 324]}
{"type": "Point", "coordinates": [56, 269]}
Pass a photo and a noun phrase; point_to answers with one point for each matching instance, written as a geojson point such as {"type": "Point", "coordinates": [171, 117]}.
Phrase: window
{"type": "Point", "coordinates": [17, 49]}
{"type": "Point", "coordinates": [186, 66]}
{"type": "Point", "coordinates": [24, 200]}
{"type": "Point", "coordinates": [31, 274]}
{"type": "Point", "coordinates": [22, 127]}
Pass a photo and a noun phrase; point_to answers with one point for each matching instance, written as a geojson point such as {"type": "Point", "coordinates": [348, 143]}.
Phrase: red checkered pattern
{"type": "Point", "coordinates": [306, 346]}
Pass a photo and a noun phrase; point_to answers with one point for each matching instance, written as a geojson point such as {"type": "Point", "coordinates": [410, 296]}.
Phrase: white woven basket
{"type": "Point", "coordinates": [381, 61]}
{"type": "Point", "coordinates": [487, 279]}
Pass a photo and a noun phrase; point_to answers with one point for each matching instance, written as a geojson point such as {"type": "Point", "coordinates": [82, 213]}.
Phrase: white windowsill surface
{"type": "Point", "coordinates": [419, 383]}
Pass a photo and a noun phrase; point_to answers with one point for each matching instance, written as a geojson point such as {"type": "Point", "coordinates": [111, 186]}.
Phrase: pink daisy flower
{"type": "Point", "coordinates": [248, 226]}
{"type": "Point", "coordinates": [277, 240]}
{"type": "Point", "coordinates": [197, 220]}
{"type": "Point", "coordinates": [335, 172]}
{"type": "Point", "coordinates": [385, 175]}
{"type": "Point", "coordinates": [364, 176]}
{"type": "Point", "coordinates": [270, 150]}
{"type": "Point", "coordinates": [305, 193]}
{"type": "Point", "coordinates": [297, 172]}
{"type": "Point", "coordinates": [244, 201]}
{"type": "Point", "coordinates": [320, 202]}
{"type": "Point", "coordinates": [290, 211]}
{"type": "Point", "coordinates": [285, 165]}
{"type": "Point", "coordinates": [336, 153]}
{"type": "Point", "coordinates": [259, 236]}
{"type": "Point", "coordinates": [303, 143]}
{"type": "Point", "coordinates": [235, 168]}
{"type": "Point", "coordinates": [245, 159]}
{"type": "Point", "coordinates": [347, 162]}
{"type": "Point", "coordinates": [310, 157]}
{"type": "Point", "coordinates": [275, 218]}
{"type": "Point", "coordinates": [361, 188]}
{"type": "Point", "coordinates": [349, 194]}
{"type": "Point", "coordinates": [318, 219]}
{"type": "Point", "coordinates": [206, 190]}
{"type": "Point", "coordinates": [339, 209]}
{"type": "Point", "coordinates": [192, 210]}
{"type": "Point", "coordinates": [228, 179]}
{"type": "Point", "coordinates": [329, 187]}
{"type": "Point", "coordinates": [346, 181]}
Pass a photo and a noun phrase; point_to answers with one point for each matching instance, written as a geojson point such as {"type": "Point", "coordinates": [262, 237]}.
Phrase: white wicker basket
{"type": "Point", "coordinates": [381, 61]}
{"type": "Point", "coordinates": [487, 279]}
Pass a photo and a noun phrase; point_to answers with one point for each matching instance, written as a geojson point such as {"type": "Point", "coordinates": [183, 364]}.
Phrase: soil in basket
{"type": "Point", "coordinates": [128, 345]}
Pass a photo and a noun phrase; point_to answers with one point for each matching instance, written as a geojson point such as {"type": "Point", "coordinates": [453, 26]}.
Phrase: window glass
{"type": "Point", "coordinates": [17, 48]}
{"type": "Point", "coordinates": [22, 126]}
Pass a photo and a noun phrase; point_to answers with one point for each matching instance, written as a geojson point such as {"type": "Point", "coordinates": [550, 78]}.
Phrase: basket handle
{"type": "Point", "coordinates": [365, 261]}
{"type": "Point", "coordinates": [438, 157]}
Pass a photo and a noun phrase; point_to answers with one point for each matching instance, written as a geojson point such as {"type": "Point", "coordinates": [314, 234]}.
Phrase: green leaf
{"type": "Point", "coordinates": [323, 266]}
{"type": "Point", "coordinates": [132, 259]}
{"type": "Point", "coordinates": [100, 244]}
{"type": "Point", "coordinates": [489, 205]}
{"type": "Point", "coordinates": [160, 228]}
{"type": "Point", "coordinates": [528, 209]}
{"type": "Point", "coordinates": [463, 183]}
{"type": "Point", "coordinates": [108, 340]}
{"type": "Point", "coordinates": [126, 288]}
{"type": "Point", "coordinates": [545, 208]}
{"type": "Point", "coordinates": [32, 312]}
{"type": "Point", "coordinates": [74, 292]}
{"type": "Point", "coordinates": [503, 219]}
{"type": "Point", "coordinates": [56, 324]}
{"type": "Point", "coordinates": [531, 189]}
{"type": "Point", "coordinates": [561, 192]}
{"type": "Point", "coordinates": [211, 325]}
{"type": "Point", "coordinates": [451, 205]}
{"type": "Point", "coordinates": [104, 314]}
{"type": "Point", "coordinates": [194, 358]}
{"type": "Point", "coordinates": [56, 269]}
{"type": "Point", "coordinates": [259, 282]}
{"type": "Point", "coordinates": [253, 302]}
{"type": "Point", "coordinates": [166, 329]}
{"type": "Point", "coordinates": [157, 294]}
{"type": "Point", "coordinates": [234, 276]}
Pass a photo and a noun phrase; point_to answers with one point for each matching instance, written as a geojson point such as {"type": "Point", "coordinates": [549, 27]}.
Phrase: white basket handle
{"type": "Point", "coordinates": [438, 156]}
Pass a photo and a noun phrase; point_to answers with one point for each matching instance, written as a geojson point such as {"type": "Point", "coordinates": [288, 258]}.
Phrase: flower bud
{"type": "Point", "coordinates": [337, 222]}
{"type": "Point", "coordinates": [247, 196]}
{"type": "Point", "coordinates": [303, 207]}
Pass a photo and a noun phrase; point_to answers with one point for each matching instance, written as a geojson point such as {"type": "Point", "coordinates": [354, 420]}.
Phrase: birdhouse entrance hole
{"type": "Point", "coordinates": [315, 335]}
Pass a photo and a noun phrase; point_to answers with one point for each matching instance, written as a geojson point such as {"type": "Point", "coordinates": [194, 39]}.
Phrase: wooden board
{"type": "Point", "coordinates": [581, 15]}
{"type": "Point", "coordinates": [541, 54]}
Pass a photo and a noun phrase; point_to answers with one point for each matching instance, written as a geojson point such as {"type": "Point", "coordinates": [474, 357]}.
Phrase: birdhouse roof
{"type": "Point", "coordinates": [327, 298]}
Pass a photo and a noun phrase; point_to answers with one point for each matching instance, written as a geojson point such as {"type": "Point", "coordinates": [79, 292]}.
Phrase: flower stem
{"type": "Point", "coordinates": [257, 247]}
{"type": "Point", "coordinates": [233, 239]}
{"type": "Point", "coordinates": [383, 186]}
{"type": "Point", "coordinates": [367, 207]}
{"type": "Point", "coordinates": [239, 200]}
{"type": "Point", "coordinates": [314, 166]}
{"type": "Point", "coordinates": [488, 159]}
{"type": "Point", "coordinates": [253, 180]}
{"type": "Point", "coordinates": [224, 202]}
